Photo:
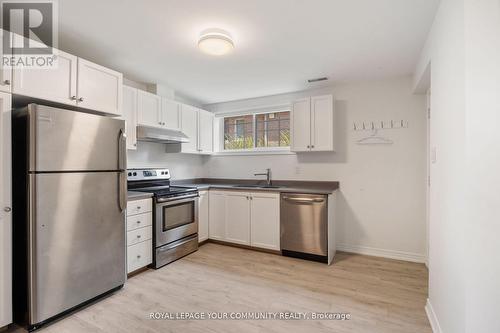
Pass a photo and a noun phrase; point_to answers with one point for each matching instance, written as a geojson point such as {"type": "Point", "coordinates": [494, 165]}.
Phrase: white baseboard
{"type": "Point", "coordinates": [391, 254]}
{"type": "Point", "coordinates": [432, 318]}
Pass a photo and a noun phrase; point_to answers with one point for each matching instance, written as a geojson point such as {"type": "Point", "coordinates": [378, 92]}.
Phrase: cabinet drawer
{"type": "Point", "coordinates": [139, 255]}
{"type": "Point", "coordinates": [139, 207]}
{"type": "Point", "coordinates": [139, 221]}
{"type": "Point", "coordinates": [139, 235]}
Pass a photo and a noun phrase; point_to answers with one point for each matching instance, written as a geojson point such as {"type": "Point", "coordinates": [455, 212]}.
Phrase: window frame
{"type": "Point", "coordinates": [255, 149]}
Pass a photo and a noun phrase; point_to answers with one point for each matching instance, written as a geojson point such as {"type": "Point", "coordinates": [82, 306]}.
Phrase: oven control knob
{"type": "Point", "coordinates": [130, 174]}
{"type": "Point", "coordinates": [135, 173]}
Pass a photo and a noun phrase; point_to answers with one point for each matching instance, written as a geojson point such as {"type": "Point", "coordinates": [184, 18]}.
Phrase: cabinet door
{"type": "Point", "coordinates": [265, 220]}
{"type": "Point", "coordinates": [171, 114]}
{"type": "Point", "coordinates": [5, 74]}
{"type": "Point", "coordinates": [130, 115]}
{"type": "Point", "coordinates": [301, 125]}
{"type": "Point", "coordinates": [322, 129]}
{"type": "Point", "coordinates": [99, 88]}
{"type": "Point", "coordinates": [149, 109]}
{"type": "Point", "coordinates": [54, 84]}
{"type": "Point", "coordinates": [203, 216]}
{"type": "Point", "coordinates": [238, 218]}
{"type": "Point", "coordinates": [205, 132]}
{"type": "Point", "coordinates": [189, 124]}
{"type": "Point", "coordinates": [5, 211]}
{"type": "Point", "coordinates": [217, 215]}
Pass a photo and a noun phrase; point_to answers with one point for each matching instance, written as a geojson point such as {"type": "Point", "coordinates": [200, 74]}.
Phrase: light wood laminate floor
{"type": "Point", "coordinates": [381, 295]}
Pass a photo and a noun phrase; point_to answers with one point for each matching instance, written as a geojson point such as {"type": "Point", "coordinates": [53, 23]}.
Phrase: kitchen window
{"type": "Point", "coordinates": [256, 132]}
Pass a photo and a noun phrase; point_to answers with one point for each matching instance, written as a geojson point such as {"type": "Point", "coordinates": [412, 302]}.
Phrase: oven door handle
{"type": "Point", "coordinates": [176, 200]}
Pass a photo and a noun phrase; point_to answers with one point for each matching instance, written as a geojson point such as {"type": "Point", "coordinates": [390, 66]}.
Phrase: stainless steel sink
{"type": "Point", "coordinates": [241, 185]}
{"type": "Point", "coordinates": [257, 186]}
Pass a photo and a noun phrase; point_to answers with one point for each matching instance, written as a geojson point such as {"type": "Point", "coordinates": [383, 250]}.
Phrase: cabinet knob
{"type": "Point", "coordinates": [138, 222]}
{"type": "Point", "coordinates": [308, 146]}
{"type": "Point", "coordinates": [7, 209]}
{"type": "Point", "coordinates": [7, 82]}
{"type": "Point", "coordinates": [312, 146]}
{"type": "Point", "coordinates": [80, 99]}
{"type": "Point", "coordinates": [138, 207]}
{"type": "Point", "coordinates": [73, 98]}
{"type": "Point", "coordinates": [138, 256]}
{"type": "Point", "coordinates": [138, 236]}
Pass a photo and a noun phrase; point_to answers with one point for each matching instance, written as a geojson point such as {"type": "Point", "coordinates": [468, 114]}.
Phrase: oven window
{"type": "Point", "coordinates": [177, 215]}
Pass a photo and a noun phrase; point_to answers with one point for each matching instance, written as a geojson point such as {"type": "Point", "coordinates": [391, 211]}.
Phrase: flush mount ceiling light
{"type": "Point", "coordinates": [215, 42]}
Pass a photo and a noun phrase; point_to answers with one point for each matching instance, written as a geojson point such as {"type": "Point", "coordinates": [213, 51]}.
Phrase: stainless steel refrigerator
{"type": "Point", "coordinates": [70, 192]}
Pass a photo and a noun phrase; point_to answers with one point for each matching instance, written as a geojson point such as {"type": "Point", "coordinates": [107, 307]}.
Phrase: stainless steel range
{"type": "Point", "coordinates": [175, 214]}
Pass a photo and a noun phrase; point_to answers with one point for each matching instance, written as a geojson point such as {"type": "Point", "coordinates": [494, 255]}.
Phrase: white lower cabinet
{"type": "Point", "coordinates": [139, 234]}
{"type": "Point", "coordinates": [217, 215]}
{"type": "Point", "coordinates": [139, 255]}
{"type": "Point", "coordinates": [203, 211]}
{"type": "Point", "coordinates": [265, 226]}
{"type": "Point", "coordinates": [238, 218]}
{"type": "Point", "coordinates": [246, 218]}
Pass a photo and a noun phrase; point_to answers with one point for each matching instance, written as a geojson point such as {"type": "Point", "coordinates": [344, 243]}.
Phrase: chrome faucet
{"type": "Point", "coordinates": [267, 174]}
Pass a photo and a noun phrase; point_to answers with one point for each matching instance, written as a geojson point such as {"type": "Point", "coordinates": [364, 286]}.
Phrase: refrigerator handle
{"type": "Point", "coordinates": [122, 168]}
{"type": "Point", "coordinates": [122, 190]}
{"type": "Point", "coordinates": [122, 146]}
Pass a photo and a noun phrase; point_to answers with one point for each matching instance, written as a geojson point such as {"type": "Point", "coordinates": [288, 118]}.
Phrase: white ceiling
{"type": "Point", "coordinates": [279, 43]}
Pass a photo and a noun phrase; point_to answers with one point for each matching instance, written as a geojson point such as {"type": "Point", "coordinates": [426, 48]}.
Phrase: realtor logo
{"type": "Point", "coordinates": [29, 33]}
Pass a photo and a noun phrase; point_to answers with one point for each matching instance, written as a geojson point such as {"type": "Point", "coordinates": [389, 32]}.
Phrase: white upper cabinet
{"type": "Point", "coordinates": [149, 109]}
{"type": "Point", "coordinates": [189, 124]}
{"type": "Point", "coordinates": [198, 125]}
{"type": "Point", "coordinates": [5, 76]}
{"type": "Point", "coordinates": [171, 114]}
{"type": "Point", "coordinates": [205, 132]}
{"type": "Point", "coordinates": [74, 81]}
{"type": "Point", "coordinates": [55, 84]}
{"type": "Point", "coordinates": [99, 88]}
{"type": "Point", "coordinates": [161, 112]}
{"type": "Point", "coordinates": [301, 125]}
{"type": "Point", "coordinates": [5, 211]}
{"type": "Point", "coordinates": [312, 124]}
{"type": "Point", "coordinates": [129, 107]}
{"type": "Point", "coordinates": [322, 123]}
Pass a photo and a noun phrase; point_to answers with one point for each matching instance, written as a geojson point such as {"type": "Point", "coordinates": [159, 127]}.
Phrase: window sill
{"type": "Point", "coordinates": [254, 152]}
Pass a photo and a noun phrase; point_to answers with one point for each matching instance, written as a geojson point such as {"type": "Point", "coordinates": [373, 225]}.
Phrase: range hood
{"type": "Point", "coordinates": [160, 135]}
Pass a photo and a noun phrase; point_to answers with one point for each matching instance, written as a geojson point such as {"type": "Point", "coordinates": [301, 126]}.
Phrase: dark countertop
{"type": "Point", "coordinates": [134, 195]}
{"type": "Point", "coordinates": [290, 186]}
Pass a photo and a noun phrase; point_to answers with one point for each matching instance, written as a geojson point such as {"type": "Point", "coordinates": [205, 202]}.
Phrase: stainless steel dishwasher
{"type": "Point", "coordinates": [304, 226]}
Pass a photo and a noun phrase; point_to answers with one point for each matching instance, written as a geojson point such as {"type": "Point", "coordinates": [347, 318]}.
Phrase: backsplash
{"type": "Point", "coordinates": [153, 155]}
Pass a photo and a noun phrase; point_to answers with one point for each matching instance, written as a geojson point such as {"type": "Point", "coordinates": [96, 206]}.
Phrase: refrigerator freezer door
{"type": "Point", "coordinates": [63, 140]}
{"type": "Point", "coordinates": [77, 237]}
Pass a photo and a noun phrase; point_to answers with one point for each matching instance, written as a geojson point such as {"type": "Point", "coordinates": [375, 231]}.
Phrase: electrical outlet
{"type": "Point", "coordinates": [433, 155]}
